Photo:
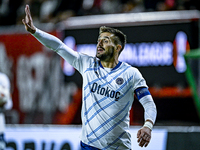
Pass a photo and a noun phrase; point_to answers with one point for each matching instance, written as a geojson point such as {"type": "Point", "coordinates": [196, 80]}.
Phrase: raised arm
{"type": "Point", "coordinates": [28, 22]}
{"type": "Point", "coordinates": [48, 40]}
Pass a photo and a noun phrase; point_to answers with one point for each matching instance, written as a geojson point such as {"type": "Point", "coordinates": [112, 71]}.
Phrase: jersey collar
{"type": "Point", "coordinates": [117, 66]}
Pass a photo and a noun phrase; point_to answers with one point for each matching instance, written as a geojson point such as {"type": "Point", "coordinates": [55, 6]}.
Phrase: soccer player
{"type": "Point", "coordinates": [108, 90]}
{"type": "Point", "coordinates": [5, 104]}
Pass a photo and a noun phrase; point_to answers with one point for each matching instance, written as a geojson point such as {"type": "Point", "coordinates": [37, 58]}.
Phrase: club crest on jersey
{"type": "Point", "coordinates": [119, 81]}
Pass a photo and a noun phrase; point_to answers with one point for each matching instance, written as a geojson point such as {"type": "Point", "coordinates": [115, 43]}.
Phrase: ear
{"type": "Point", "coordinates": [119, 47]}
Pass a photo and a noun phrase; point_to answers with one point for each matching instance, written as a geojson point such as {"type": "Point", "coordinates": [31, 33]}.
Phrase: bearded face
{"type": "Point", "coordinates": [105, 46]}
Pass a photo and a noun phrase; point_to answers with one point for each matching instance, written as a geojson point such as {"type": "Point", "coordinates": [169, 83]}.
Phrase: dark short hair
{"type": "Point", "coordinates": [121, 37]}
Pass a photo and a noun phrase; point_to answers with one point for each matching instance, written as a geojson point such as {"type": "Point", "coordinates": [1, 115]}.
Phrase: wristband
{"type": "Point", "coordinates": [148, 125]}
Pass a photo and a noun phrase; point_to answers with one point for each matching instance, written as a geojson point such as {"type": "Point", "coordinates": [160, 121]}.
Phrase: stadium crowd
{"type": "Point", "coordinates": [12, 11]}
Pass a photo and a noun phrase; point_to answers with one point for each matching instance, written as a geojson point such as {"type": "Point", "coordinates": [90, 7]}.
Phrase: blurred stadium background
{"type": "Point", "coordinates": [163, 43]}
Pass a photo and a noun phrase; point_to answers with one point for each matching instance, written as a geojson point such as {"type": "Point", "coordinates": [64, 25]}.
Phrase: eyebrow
{"type": "Point", "coordinates": [106, 37]}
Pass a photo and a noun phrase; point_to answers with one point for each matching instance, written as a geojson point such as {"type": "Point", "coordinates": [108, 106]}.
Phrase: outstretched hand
{"type": "Point", "coordinates": [28, 22]}
{"type": "Point", "coordinates": [144, 136]}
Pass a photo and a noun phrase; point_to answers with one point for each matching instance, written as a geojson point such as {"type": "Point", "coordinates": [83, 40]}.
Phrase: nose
{"type": "Point", "coordinates": [100, 42]}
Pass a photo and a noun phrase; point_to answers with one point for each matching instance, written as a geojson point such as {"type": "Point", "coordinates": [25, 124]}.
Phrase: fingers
{"type": "Point", "coordinates": [143, 143]}
{"type": "Point", "coordinates": [28, 9]}
{"type": "Point", "coordinates": [140, 137]}
{"type": "Point", "coordinates": [23, 22]}
{"type": "Point", "coordinates": [28, 18]}
{"type": "Point", "coordinates": [28, 13]}
{"type": "Point", "coordinates": [27, 21]}
{"type": "Point", "coordinates": [138, 134]}
{"type": "Point", "coordinates": [143, 138]}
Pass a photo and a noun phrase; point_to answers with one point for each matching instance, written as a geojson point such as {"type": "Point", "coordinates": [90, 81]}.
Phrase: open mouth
{"type": "Point", "coordinates": [100, 49]}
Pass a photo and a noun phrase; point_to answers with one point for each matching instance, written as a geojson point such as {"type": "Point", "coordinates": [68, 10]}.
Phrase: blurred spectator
{"type": "Point", "coordinates": [8, 11]}
{"type": "Point", "coordinates": [91, 7]}
{"type": "Point", "coordinates": [111, 6]}
{"type": "Point", "coordinates": [191, 4]}
{"type": "Point", "coordinates": [65, 9]}
{"type": "Point", "coordinates": [133, 6]}
{"type": "Point", "coordinates": [166, 5]}
{"type": "Point", "coordinates": [150, 5]}
{"type": "Point", "coordinates": [12, 11]}
{"type": "Point", "coordinates": [35, 5]}
{"type": "Point", "coordinates": [47, 8]}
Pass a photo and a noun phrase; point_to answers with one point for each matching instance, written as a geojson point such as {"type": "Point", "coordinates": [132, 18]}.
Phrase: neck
{"type": "Point", "coordinates": [109, 64]}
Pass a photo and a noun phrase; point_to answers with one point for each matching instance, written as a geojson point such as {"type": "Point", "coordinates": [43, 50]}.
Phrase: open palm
{"type": "Point", "coordinates": [28, 22]}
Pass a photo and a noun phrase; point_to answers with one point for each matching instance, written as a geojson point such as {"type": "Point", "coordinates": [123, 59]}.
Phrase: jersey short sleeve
{"type": "Point", "coordinates": [138, 80]}
{"type": "Point", "coordinates": [82, 62]}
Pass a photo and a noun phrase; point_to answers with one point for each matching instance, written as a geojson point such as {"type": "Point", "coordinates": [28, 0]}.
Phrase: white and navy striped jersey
{"type": "Point", "coordinates": [107, 100]}
{"type": "Point", "coordinates": [107, 96]}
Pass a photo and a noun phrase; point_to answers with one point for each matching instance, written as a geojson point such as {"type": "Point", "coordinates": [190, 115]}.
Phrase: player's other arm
{"type": "Point", "coordinates": [48, 40]}
{"type": "Point", "coordinates": [5, 95]}
{"type": "Point", "coordinates": [8, 104]}
{"type": "Point", "coordinates": [150, 113]}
